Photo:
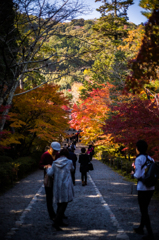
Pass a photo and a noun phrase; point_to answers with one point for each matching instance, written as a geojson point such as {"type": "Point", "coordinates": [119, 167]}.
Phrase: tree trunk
{"type": "Point", "coordinates": [8, 103]}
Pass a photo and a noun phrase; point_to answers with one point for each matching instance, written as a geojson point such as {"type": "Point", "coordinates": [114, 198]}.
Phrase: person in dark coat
{"type": "Point", "coordinates": [84, 160]}
{"type": "Point", "coordinates": [73, 157]}
{"type": "Point", "coordinates": [46, 160]}
{"type": "Point", "coordinates": [90, 152]}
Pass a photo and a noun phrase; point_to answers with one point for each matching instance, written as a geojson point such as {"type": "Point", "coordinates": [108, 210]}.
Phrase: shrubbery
{"type": "Point", "coordinates": [13, 170]}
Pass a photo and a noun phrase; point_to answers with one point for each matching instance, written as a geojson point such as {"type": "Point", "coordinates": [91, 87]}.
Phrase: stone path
{"type": "Point", "coordinates": [104, 209]}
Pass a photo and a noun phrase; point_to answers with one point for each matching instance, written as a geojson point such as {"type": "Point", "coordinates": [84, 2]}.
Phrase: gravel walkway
{"type": "Point", "coordinates": [104, 209]}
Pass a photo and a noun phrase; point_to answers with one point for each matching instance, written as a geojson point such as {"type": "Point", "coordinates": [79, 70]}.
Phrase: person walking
{"type": "Point", "coordinates": [73, 145]}
{"type": "Point", "coordinates": [144, 193]}
{"type": "Point", "coordinates": [90, 152]}
{"type": "Point", "coordinates": [63, 191]}
{"type": "Point", "coordinates": [84, 160]}
{"type": "Point", "coordinates": [46, 160]}
{"type": "Point", "coordinates": [73, 157]}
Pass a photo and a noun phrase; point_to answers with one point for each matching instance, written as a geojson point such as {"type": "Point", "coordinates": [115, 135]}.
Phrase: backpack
{"type": "Point", "coordinates": [152, 173]}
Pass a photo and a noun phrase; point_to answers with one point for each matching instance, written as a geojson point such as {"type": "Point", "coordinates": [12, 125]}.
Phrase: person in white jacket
{"type": "Point", "coordinates": [63, 191]}
{"type": "Point", "coordinates": [144, 193]}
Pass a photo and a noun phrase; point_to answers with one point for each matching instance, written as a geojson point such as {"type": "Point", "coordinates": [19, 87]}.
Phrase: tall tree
{"type": "Point", "coordinates": [145, 65]}
{"type": "Point", "coordinates": [35, 22]}
{"type": "Point", "coordinates": [110, 62]}
{"type": "Point", "coordinates": [38, 118]}
{"type": "Point", "coordinates": [149, 6]}
{"type": "Point", "coordinates": [8, 46]}
{"type": "Point", "coordinates": [89, 115]}
{"type": "Point", "coordinates": [113, 18]}
{"type": "Point", "coordinates": [135, 119]}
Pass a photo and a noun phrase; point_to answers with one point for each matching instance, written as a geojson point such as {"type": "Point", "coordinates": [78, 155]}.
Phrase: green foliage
{"type": "Point", "coordinates": [149, 6]}
{"type": "Point", "coordinates": [113, 19]}
{"type": "Point", "coordinates": [69, 41]}
{"type": "Point", "coordinates": [78, 22]}
{"type": "Point", "coordinates": [117, 8]}
{"type": "Point", "coordinates": [26, 165]}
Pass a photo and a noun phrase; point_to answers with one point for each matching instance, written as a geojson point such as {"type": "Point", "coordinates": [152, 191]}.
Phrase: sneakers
{"type": "Point", "coordinates": [139, 231]}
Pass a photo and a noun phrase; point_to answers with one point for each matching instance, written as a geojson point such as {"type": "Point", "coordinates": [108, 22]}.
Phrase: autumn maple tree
{"type": "Point", "coordinates": [38, 118]}
{"type": "Point", "coordinates": [90, 114]}
{"type": "Point", "coordinates": [134, 119]}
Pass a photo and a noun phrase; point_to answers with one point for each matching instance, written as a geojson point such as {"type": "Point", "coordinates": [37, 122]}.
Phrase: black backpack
{"type": "Point", "coordinates": [152, 173]}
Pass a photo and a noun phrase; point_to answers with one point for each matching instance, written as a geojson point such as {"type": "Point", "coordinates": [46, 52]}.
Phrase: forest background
{"type": "Point", "coordinates": [103, 71]}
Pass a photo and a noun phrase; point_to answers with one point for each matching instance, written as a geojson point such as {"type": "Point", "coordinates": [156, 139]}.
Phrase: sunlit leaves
{"type": "Point", "coordinates": [39, 117]}
{"type": "Point", "coordinates": [89, 115]}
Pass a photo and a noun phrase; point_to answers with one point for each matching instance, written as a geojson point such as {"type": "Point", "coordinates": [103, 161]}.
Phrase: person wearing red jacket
{"type": "Point", "coordinates": [46, 160]}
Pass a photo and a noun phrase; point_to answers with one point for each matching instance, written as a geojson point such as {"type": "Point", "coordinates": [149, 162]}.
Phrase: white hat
{"type": "Point", "coordinates": [56, 146]}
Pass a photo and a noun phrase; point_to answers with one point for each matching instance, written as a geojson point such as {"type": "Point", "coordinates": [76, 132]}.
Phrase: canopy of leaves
{"type": "Point", "coordinates": [38, 118]}
{"type": "Point", "coordinates": [133, 120]}
{"type": "Point", "coordinates": [90, 114]}
{"type": "Point", "coordinates": [30, 25]}
{"type": "Point", "coordinates": [113, 19]}
{"type": "Point", "coordinates": [149, 6]}
{"type": "Point", "coordinates": [145, 66]}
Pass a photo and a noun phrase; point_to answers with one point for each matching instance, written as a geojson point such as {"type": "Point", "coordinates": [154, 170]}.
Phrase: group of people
{"type": "Point", "coordinates": [59, 173]}
{"type": "Point", "coordinates": [59, 167]}
{"type": "Point", "coordinates": [73, 137]}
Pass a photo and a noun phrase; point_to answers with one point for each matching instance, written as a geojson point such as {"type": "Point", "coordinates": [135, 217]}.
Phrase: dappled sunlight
{"type": "Point", "coordinates": [115, 183]}
{"type": "Point", "coordinates": [29, 181]}
{"type": "Point", "coordinates": [92, 196]}
{"type": "Point", "coordinates": [81, 233]}
{"type": "Point", "coordinates": [16, 211]}
{"type": "Point", "coordinates": [28, 196]}
{"type": "Point", "coordinates": [134, 223]}
{"type": "Point", "coordinates": [40, 181]}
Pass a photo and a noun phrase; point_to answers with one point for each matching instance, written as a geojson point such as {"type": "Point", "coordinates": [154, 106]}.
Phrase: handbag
{"type": "Point", "coordinates": [90, 166]}
{"type": "Point", "coordinates": [48, 181]}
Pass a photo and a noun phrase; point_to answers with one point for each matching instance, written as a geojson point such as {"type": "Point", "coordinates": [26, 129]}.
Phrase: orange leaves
{"type": "Point", "coordinates": [39, 116]}
{"type": "Point", "coordinates": [16, 123]}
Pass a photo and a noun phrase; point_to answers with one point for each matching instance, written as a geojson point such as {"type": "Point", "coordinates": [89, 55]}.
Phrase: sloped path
{"type": "Point", "coordinates": [104, 209]}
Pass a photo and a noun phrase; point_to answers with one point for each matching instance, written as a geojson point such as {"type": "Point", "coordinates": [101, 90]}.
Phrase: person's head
{"type": "Point", "coordinates": [141, 147]}
{"type": "Point", "coordinates": [65, 146]}
{"type": "Point", "coordinates": [55, 147]}
{"type": "Point", "coordinates": [83, 150]}
{"type": "Point", "coordinates": [64, 152]}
